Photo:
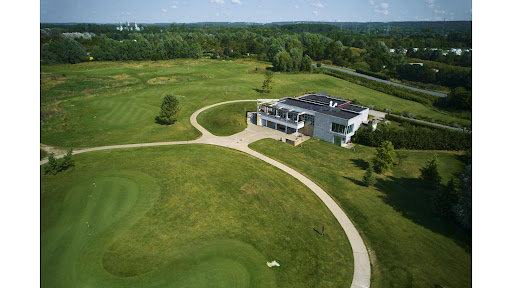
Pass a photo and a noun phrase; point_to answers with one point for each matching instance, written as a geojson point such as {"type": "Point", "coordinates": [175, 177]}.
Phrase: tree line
{"type": "Point", "coordinates": [415, 137]}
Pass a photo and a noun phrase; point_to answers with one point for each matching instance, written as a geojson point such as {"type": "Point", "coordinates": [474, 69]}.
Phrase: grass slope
{"type": "Point", "coordinates": [410, 246]}
{"type": "Point", "coordinates": [226, 119]}
{"type": "Point", "coordinates": [104, 103]}
{"type": "Point", "coordinates": [191, 215]}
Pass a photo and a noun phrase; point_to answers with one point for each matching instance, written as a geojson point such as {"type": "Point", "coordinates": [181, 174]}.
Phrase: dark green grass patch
{"type": "Point", "coordinates": [409, 245]}
{"type": "Point", "coordinates": [185, 216]}
{"type": "Point", "coordinates": [226, 119]}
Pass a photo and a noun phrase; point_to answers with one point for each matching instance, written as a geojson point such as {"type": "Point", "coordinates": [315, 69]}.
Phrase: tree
{"type": "Point", "coordinates": [462, 210]}
{"type": "Point", "coordinates": [369, 178]}
{"type": "Point", "coordinates": [51, 168]}
{"type": "Point", "coordinates": [283, 62]}
{"type": "Point", "coordinates": [384, 157]}
{"type": "Point", "coordinates": [296, 55]}
{"type": "Point", "coordinates": [306, 64]}
{"type": "Point", "coordinates": [169, 110]}
{"type": "Point", "coordinates": [444, 198]}
{"type": "Point", "coordinates": [67, 161]}
{"type": "Point", "coordinates": [267, 83]}
{"type": "Point", "coordinates": [430, 174]}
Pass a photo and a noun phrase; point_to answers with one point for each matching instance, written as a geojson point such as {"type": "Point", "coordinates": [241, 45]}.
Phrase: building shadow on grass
{"type": "Point", "coordinates": [409, 197]}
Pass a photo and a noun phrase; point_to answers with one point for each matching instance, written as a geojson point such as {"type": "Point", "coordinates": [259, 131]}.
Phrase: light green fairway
{"type": "Point", "coordinates": [104, 103]}
{"type": "Point", "coordinates": [185, 216]}
{"type": "Point", "coordinates": [226, 119]}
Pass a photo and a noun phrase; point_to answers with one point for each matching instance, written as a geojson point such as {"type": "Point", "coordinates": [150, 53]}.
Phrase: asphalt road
{"type": "Point", "coordinates": [385, 81]}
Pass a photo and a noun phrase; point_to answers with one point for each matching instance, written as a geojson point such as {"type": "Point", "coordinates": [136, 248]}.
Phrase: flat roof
{"type": "Point", "coordinates": [318, 107]}
{"type": "Point", "coordinates": [326, 100]}
{"type": "Point", "coordinates": [323, 99]}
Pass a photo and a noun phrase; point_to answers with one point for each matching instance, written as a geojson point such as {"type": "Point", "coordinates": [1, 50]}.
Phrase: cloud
{"type": "Point", "coordinates": [318, 5]}
{"type": "Point", "coordinates": [174, 6]}
{"type": "Point", "coordinates": [439, 11]}
{"type": "Point", "coordinates": [236, 2]}
{"type": "Point", "coordinates": [297, 6]}
{"type": "Point", "coordinates": [315, 13]}
{"type": "Point", "coordinates": [382, 8]}
{"type": "Point", "coordinates": [431, 3]}
{"type": "Point", "coordinates": [164, 10]}
{"type": "Point", "coordinates": [220, 2]}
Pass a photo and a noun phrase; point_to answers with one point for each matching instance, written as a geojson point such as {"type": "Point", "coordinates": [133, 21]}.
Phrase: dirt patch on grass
{"type": "Point", "coordinates": [49, 80]}
{"type": "Point", "coordinates": [167, 80]}
{"type": "Point", "coordinates": [50, 149]}
{"type": "Point", "coordinates": [249, 189]}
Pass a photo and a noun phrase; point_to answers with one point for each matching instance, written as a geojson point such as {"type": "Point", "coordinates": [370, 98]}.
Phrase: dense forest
{"type": "Point", "coordinates": [378, 49]}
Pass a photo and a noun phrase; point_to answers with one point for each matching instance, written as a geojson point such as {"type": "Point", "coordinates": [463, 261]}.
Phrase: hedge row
{"type": "Point", "coordinates": [414, 137]}
{"type": "Point", "coordinates": [415, 123]}
{"type": "Point", "coordinates": [373, 74]}
{"type": "Point", "coordinates": [400, 92]}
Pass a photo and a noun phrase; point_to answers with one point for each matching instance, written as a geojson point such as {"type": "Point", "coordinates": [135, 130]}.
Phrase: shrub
{"type": "Point", "coordinates": [384, 157]}
{"type": "Point", "coordinates": [369, 178]}
{"type": "Point", "coordinates": [51, 168]}
{"type": "Point", "coordinates": [169, 110]}
{"type": "Point", "coordinates": [430, 174]}
{"type": "Point", "coordinates": [54, 166]}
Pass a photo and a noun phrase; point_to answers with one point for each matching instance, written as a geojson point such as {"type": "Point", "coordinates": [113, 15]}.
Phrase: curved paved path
{"type": "Point", "coordinates": [240, 142]}
{"type": "Point", "coordinates": [438, 94]}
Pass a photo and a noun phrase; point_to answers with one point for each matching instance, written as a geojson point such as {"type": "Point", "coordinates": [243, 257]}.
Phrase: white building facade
{"type": "Point", "coordinates": [331, 119]}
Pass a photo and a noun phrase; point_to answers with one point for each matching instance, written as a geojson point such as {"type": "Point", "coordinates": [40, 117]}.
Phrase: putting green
{"type": "Point", "coordinates": [185, 216]}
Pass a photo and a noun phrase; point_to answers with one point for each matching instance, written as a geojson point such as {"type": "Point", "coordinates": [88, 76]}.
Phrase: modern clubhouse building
{"type": "Point", "coordinates": [318, 115]}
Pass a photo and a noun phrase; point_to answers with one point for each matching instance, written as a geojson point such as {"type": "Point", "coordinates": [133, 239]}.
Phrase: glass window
{"type": "Point", "coordinates": [309, 119]}
{"type": "Point", "coordinates": [337, 140]}
{"type": "Point", "coordinates": [350, 129]}
{"type": "Point", "coordinates": [338, 128]}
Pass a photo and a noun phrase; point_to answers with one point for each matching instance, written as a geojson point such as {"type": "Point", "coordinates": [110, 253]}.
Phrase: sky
{"type": "Point", "coordinates": [259, 11]}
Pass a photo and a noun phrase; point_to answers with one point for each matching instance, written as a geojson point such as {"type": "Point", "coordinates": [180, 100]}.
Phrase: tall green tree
{"type": "Point", "coordinates": [443, 199]}
{"type": "Point", "coordinates": [306, 64]}
{"type": "Point", "coordinates": [462, 210]}
{"type": "Point", "coordinates": [369, 177]}
{"type": "Point", "coordinates": [283, 62]}
{"type": "Point", "coordinates": [384, 157]}
{"type": "Point", "coordinates": [296, 55]}
{"type": "Point", "coordinates": [267, 83]}
{"type": "Point", "coordinates": [430, 173]}
{"type": "Point", "coordinates": [170, 110]}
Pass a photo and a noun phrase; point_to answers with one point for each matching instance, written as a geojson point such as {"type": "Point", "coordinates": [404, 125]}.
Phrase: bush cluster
{"type": "Point", "coordinates": [414, 137]}
{"type": "Point", "coordinates": [54, 166]}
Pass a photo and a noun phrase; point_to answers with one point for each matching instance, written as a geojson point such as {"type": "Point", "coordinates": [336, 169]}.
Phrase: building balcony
{"type": "Point", "coordinates": [283, 121]}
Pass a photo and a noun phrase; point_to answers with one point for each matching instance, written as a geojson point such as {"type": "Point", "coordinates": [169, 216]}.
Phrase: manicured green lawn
{"type": "Point", "coordinates": [226, 119]}
{"type": "Point", "coordinates": [410, 246]}
{"type": "Point", "coordinates": [104, 103]}
{"type": "Point", "coordinates": [185, 216]}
